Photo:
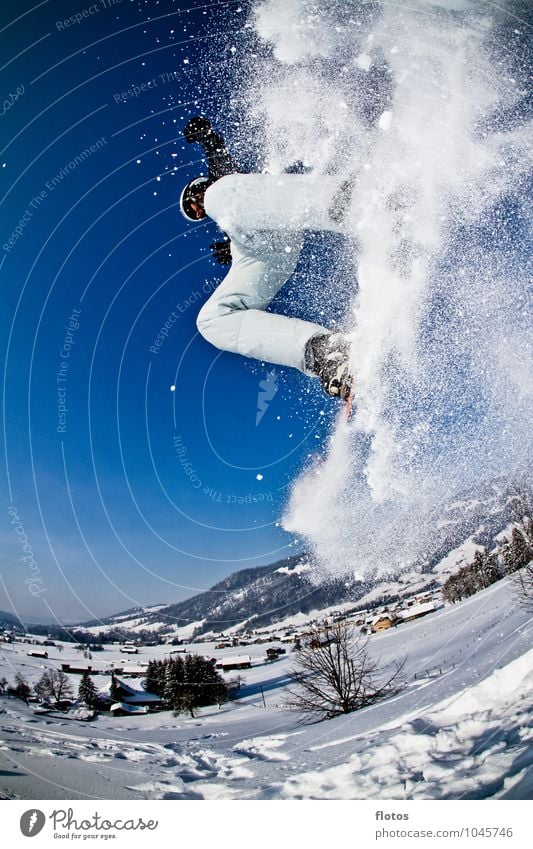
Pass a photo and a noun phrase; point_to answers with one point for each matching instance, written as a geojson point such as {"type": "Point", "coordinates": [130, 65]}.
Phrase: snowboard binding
{"type": "Point", "coordinates": [328, 356]}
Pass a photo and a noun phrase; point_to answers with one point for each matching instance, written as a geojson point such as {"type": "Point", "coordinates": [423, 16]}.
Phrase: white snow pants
{"type": "Point", "coordinates": [234, 317]}
{"type": "Point", "coordinates": [265, 216]}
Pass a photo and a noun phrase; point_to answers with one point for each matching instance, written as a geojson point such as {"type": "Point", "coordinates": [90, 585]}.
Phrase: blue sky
{"type": "Point", "coordinates": [117, 490]}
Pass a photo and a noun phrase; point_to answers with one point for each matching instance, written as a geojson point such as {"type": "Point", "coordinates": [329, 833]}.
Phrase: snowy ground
{"type": "Point", "coordinates": [460, 729]}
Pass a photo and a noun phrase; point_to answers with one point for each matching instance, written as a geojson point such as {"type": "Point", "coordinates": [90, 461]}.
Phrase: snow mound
{"type": "Point", "coordinates": [263, 748]}
{"type": "Point", "coordinates": [476, 744]}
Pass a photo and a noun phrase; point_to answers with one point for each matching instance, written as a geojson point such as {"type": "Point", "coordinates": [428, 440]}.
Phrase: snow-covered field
{"type": "Point", "coordinates": [461, 729]}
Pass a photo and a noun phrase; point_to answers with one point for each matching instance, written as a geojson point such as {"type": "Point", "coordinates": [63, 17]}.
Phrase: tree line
{"type": "Point", "coordinates": [513, 557]}
{"type": "Point", "coordinates": [185, 684]}
{"type": "Point", "coordinates": [182, 684]}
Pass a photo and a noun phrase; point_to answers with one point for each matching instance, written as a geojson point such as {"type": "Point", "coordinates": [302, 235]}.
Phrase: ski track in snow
{"type": "Point", "coordinates": [460, 749]}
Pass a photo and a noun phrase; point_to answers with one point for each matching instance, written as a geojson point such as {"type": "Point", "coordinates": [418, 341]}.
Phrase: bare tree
{"type": "Point", "coordinates": [334, 675]}
{"type": "Point", "coordinates": [55, 684]}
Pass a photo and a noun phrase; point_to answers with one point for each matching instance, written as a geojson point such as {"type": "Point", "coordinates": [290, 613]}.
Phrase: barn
{"type": "Point", "coordinates": [227, 664]}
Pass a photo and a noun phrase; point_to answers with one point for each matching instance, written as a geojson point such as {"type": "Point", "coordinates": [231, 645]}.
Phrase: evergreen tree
{"type": "Point", "coordinates": [154, 681]}
{"type": "Point", "coordinates": [450, 590]}
{"type": "Point", "coordinates": [489, 568]}
{"type": "Point", "coordinates": [210, 685]}
{"type": "Point", "coordinates": [521, 549]}
{"type": "Point", "coordinates": [469, 577]}
{"type": "Point", "coordinates": [160, 678]}
{"type": "Point", "coordinates": [174, 683]}
{"type": "Point", "coordinates": [485, 566]}
{"type": "Point", "coordinates": [480, 573]}
{"type": "Point", "coordinates": [87, 691]}
{"type": "Point", "coordinates": [518, 551]}
{"type": "Point", "coordinates": [506, 555]}
{"type": "Point", "coordinates": [114, 688]}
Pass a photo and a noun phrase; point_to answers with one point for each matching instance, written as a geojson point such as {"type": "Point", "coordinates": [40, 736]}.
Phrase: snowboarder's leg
{"type": "Point", "coordinates": [234, 317]}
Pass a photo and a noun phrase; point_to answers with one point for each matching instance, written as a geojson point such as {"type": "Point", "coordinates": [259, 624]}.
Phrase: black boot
{"type": "Point", "coordinates": [328, 356]}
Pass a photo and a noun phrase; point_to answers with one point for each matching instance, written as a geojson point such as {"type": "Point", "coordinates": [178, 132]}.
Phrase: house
{"type": "Point", "coordinates": [274, 653]}
{"type": "Point", "coordinates": [276, 650]}
{"type": "Point", "coordinates": [125, 694]}
{"type": "Point", "coordinates": [424, 598]}
{"type": "Point", "coordinates": [129, 649]}
{"type": "Point", "coordinates": [416, 611]}
{"type": "Point", "coordinates": [242, 661]}
{"type": "Point", "coordinates": [135, 671]}
{"type": "Point", "coordinates": [42, 654]}
{"type": "Point", "coordinates": [381, 623]}
{"type": "Point", "coordinates": [75, 669]}
{"type": "Point", "coordinates": [124, 709]}
{"type": "Point", "coordinates": [321, 642]}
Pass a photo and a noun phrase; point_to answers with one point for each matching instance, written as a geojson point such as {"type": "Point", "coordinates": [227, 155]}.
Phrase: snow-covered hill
{"type": "Point", "coordinates": [459, 730]}
{"type": "Point", "coordinates": [266, 595]}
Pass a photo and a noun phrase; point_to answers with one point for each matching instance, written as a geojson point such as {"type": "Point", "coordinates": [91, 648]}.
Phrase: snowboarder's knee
{"type": "Point", "coordinates": [219, 323]}
{"type": "Point", "coordinates": [207, 321]}
{"type": "Point", "coordinates": [214, 311]}
{"type": "Point", "coordinates": [203, 320]}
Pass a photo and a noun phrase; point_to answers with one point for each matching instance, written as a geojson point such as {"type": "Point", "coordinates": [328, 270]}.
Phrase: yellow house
{"type": "Point", "coordinates": [382, 623]}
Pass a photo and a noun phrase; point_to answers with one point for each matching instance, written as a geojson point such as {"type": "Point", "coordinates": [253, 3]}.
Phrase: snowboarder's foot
{"type": "Point", "coordinates": [328, 356]}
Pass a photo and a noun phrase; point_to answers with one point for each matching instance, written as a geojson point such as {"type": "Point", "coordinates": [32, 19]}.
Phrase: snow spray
{"type": "Point", "coordinates": [421, 107]}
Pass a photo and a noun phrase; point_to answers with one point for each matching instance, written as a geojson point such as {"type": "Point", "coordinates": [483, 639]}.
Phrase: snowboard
{"type": "Point", "coordinates": [348, 404]}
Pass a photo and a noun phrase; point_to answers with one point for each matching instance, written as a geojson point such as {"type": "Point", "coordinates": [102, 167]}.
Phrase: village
{"type": "Point", "coordinates": [112, 672]}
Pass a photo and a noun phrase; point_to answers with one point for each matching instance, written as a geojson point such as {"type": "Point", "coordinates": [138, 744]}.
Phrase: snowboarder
{"type": "Point", "coordinates": [264, 217]}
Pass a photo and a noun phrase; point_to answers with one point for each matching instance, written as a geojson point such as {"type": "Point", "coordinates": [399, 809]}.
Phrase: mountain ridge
{"type": "Point", "coordinates": [261, 596]}
{"type": "Point", "coordinates": [256, 597]}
